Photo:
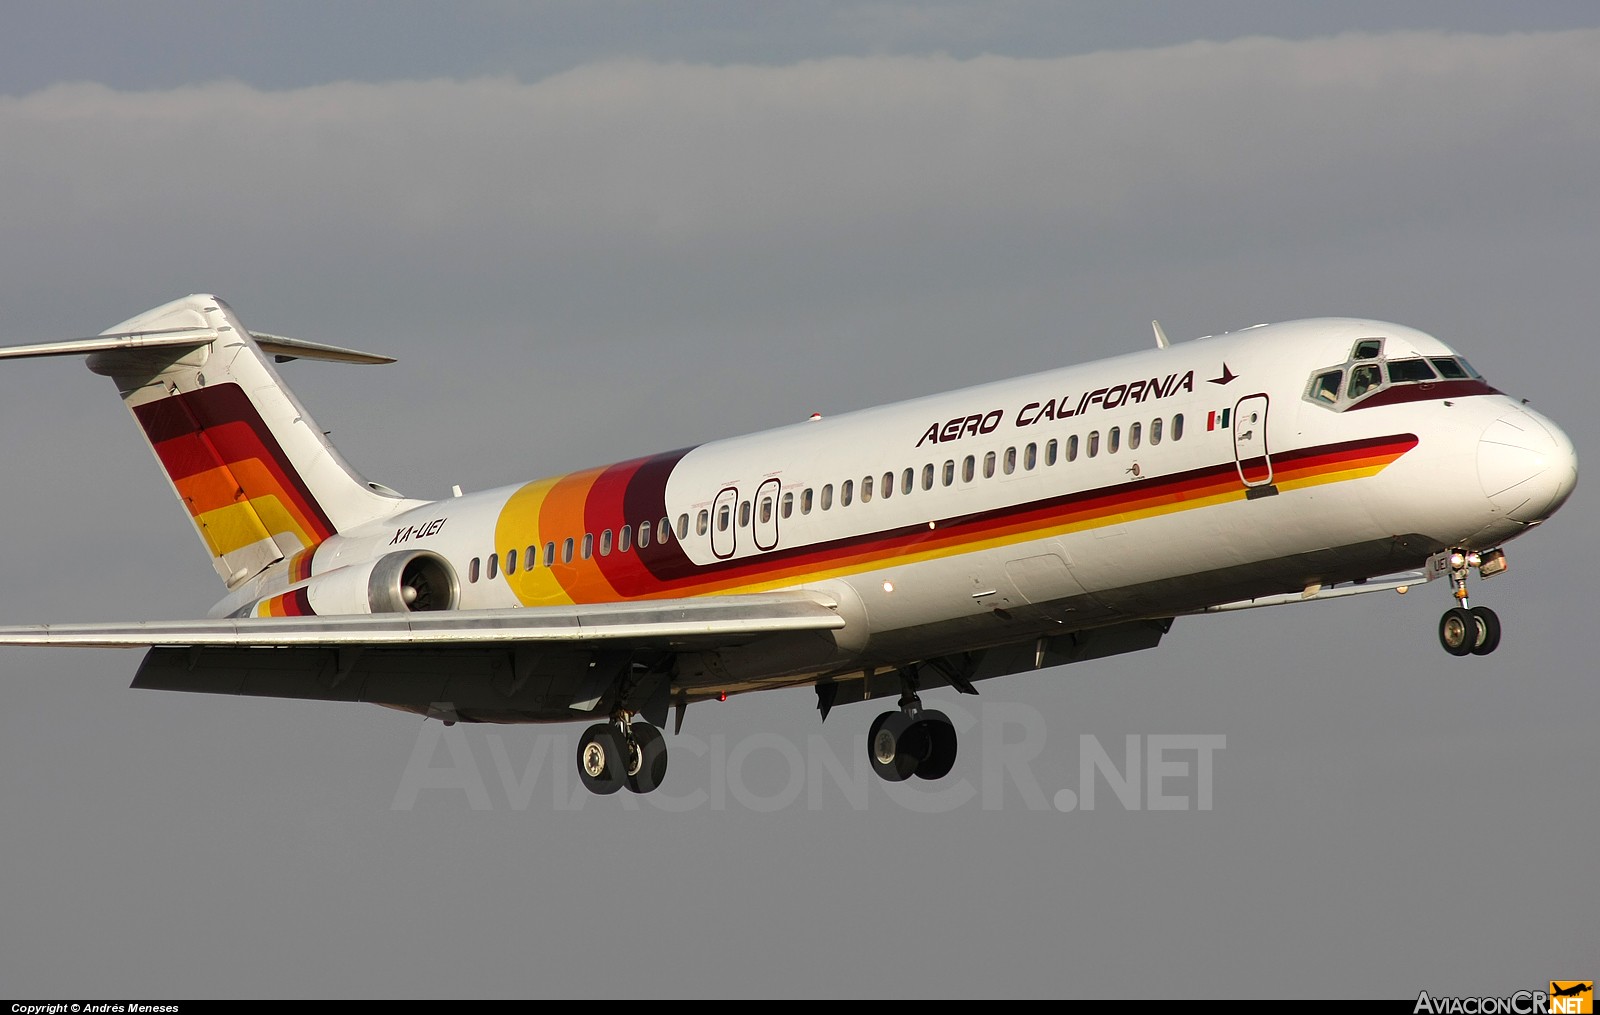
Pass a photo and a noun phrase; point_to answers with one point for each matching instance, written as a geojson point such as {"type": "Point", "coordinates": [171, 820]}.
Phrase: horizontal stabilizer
{"type": "Point", "coordinates": [658, 623]}
{"type": "Point", "coordinates": [113, 342]}
{"type": "Point", "coordinates": [285, 348]}
{"type": "Point", "coordinates": [280, 346]}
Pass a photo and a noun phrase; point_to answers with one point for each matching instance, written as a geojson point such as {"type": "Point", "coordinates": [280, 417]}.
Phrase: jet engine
{"type": "Point", "coordinates": [408, 581]}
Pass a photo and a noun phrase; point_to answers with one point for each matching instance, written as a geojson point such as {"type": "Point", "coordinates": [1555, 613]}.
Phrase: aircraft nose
{"type": "Point", "coordinates": [1527, 465]}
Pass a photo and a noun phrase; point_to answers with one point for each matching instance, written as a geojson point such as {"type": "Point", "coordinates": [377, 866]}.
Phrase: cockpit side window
{"type": "Point", "coordinates": [1364, 378]}
{"type": "Point", "coordinates": [1367, 348]}
{"type": "Point", "coordinates": [1449, 369]}
{"type": "Point", "coordinates": [1325, 387]}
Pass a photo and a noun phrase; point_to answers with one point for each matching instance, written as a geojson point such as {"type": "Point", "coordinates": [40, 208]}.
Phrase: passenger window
{"type": "Point", "coordinates": [511, 562]}
{"type": "Point", "coordinates": [566, 550]}
{"type": "Point", "coordinates": [1009, 462]}
{"type": "Point", "coordinates": [1364, 378]}
{"type": "Point", "coordinates": [550, 554]}
{"type": "Point", "coordinates": [949, 473]}
{"type": "Point", "coordinates": [702, 522]}
{"type": "Point", "coordinates": [805, 501]}
{"type": "Point", "coordinates": [906, 479]}
{"type": "Point", "coordinates": [1133, 436]}
{"type": "Point", "coordinates": [1113, 440]}
{"type": "Point", "coordinates": [683, 526]}
{"type": "Point", "coordinates": [1072, 448]}
{"type": "Point", "coordinates": [472, 570]}
{"type": "Point", "coordinates": [968, 466]}
{"type": "Point", "coordinates": [846, 489]}
{"type": "Point", "coordinates": [927, 476]}
{"type": "Point", "coordinates": [866, 489]}
{"type": "Point", "coordinates": [494, 565]}
{"type": "Point", "coordinates": [1155, 431]}
{"type": "Point", "coordinates": [644, 535]}
{"type": "Point", "coordinates": [744, 515]}
{"type": "Point", "coordinates": [888, 485]}
{"type": "Point", "coordinates": [1367, 348]}
{"type": "Point", "coordinates": [588, 545]}
{"type": "Point", "coordinates": [1094, 443]}
{"type": "Point", "coordinates": [624, 538]}
{"type": "Point", "coordinates": [827, 496]}
{"type": "Point", "coordinates": [605, 543]}
{"type": "Point", "coordinates": [1326, 386]}
{"type": "Point", "coordinates": [788, 504]}
{"type": "Point", "coordinates": [724, 518]}
{"type": "Point", "coordinates": [1403, 371]}
{"type": "Point", "coordinates": [1030, 457]}
{"type": "Point", "coordinates": [988, 465]}
{"type": "Point", "coordinates": [1177, 427]}
{"type": "Point", "coordinates": [1050, 452]}
{"type": "Point", "coordinates": [1450, 370]}
{"type": "Point", "coordinates": [530, 560]}
{"type": "Point", "coordinates": [766, 510]}
{"type": "Point", "coordinates": [664, 531]}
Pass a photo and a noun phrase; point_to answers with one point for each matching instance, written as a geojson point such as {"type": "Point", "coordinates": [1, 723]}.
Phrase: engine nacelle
{"type": "Point", "coordinates": [408, 581]}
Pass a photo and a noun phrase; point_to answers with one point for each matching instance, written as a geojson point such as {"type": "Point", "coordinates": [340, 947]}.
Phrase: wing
{"type": "Point", "coordinates": [665, 623]}
{"type": "Point", "coordinates": [542, 664]}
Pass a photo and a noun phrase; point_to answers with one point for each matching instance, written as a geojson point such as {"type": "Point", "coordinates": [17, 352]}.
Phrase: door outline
{"type": "Point", "coordinates": [727, 497]}
{"type": "Point", "coordinates": [759, 528]}
{"type": "Point", "coordinates": [1250, 450]}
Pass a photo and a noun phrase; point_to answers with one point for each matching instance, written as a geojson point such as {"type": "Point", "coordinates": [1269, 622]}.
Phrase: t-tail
{"type": "Point", "coordinates": [257, 476]}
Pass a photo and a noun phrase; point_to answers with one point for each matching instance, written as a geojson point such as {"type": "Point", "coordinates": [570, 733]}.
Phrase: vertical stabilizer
{"type": "Point", "coordinates": [257, 476]}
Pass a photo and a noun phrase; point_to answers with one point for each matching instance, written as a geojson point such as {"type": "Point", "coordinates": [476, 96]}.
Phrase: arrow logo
{"type": "Point", "coordinates": [1227, 375]}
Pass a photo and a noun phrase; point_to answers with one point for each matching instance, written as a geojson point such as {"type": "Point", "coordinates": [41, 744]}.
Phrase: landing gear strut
{"type": "Point", "coordinates": [1470, 630]}
{"type": "Point", "coordinates": [913, 741]}
{"type": "Point", "coordinates": [622, 752]}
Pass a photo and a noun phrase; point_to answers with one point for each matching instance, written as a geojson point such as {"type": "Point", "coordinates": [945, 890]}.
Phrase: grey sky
{"type": "Point", "coordinates": [594, 231]}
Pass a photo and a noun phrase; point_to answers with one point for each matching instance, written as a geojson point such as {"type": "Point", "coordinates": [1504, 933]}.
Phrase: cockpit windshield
{"type": "Point", "coordinates": [1368, 372]}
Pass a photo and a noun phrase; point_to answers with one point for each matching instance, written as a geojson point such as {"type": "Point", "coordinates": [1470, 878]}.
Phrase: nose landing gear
{"type": "Point", "coordinates": [1470, 630]}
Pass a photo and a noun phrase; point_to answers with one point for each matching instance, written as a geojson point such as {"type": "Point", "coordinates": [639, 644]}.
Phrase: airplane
{"type": "Point", "coordinates": [1056, 518]}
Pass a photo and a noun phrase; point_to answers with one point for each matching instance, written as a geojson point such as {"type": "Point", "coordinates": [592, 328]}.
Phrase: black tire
{"type": "Point", "coordinates": [939, 734]}
{"type": "Point", "coordinates": [1488, 627]}
{"type": "Point", "coordinates": [647, 763]}
{"type": "Point", "coordinates": [1458, 632]}
{"type": "Point", "coordinates": [600, 759]}
{"type": "Point", "coordinates": [886, 750]}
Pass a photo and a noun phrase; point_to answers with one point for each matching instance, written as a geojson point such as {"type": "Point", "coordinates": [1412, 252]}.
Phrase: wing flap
{"type": "Point", "coordinates": [659, 622]}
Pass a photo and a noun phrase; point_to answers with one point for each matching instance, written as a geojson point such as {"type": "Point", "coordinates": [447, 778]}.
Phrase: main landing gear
{"type": "Point", "coordinates": [1470, 630]}
{"type": "Point", "coordinates": [913, 741]}
{"type": "Point", "coordinates": [622, 752]}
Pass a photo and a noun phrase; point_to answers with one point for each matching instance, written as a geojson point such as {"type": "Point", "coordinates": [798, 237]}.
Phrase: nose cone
{"type": "Point", "coordinates": [1527, 465]}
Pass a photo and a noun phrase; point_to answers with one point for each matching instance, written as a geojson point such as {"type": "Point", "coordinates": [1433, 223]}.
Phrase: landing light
{"type": "Point", "coordinates": [888, 586]}
{"type": "Point", "coordinates": [1458, 560]}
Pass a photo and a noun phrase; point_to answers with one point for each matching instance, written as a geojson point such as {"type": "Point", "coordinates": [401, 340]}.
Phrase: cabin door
{"type": "Point", "coordinates": [1250, 441]}
{"type": "Point", "coordinates": [724, 526]}
{"type": "Point", "coordinates": [765, 524]}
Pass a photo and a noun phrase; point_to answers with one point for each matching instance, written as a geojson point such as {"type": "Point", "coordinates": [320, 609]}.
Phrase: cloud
{"type": "Point", "coordinates": [662, 159]}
